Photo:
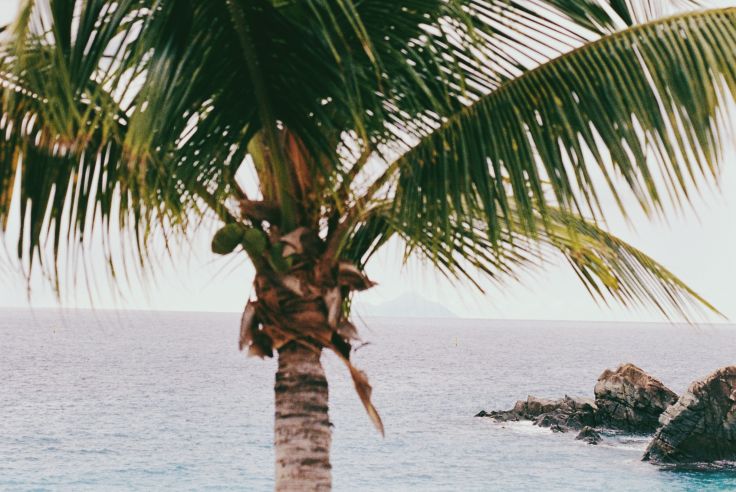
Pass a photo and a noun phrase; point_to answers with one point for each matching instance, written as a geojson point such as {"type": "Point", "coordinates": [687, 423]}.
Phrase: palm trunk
{"type": "Point", "coordinates": [302, 433]}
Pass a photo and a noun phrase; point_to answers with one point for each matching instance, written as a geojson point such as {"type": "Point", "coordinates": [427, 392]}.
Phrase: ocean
{"type": "Point", "coordinates": [106, 400]}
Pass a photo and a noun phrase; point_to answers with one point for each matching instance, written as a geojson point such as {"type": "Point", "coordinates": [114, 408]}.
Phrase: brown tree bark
{"type": "Point", "coordinates": [302, 434]}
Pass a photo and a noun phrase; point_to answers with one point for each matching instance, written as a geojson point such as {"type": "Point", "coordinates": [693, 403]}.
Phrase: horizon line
{"type": "Point", "coordinates": [723, 323]}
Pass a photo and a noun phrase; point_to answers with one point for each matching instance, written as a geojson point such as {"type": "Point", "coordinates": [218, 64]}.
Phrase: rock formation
{"type": "Point", "coordinates": [631, 400]}
{"type": "Point", "coordinates": [701, 425]}
{"type": "Point", "coordinates": [568, 413]}
{"type": "Point", "coordinates": [589, 435]}
{"type": "Point", "coordinates": [559, 415]}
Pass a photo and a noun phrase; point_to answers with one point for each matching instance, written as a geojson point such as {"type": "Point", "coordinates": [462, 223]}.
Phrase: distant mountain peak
{"type": "Point", "coordinates": [407, 305]}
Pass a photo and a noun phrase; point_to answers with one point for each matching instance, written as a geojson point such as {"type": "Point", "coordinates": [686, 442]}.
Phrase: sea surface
{"type": "Point", "coordinates": [164, 401]}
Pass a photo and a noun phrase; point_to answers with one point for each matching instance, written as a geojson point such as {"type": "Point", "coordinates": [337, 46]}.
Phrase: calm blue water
{"type": "Point", "coordinates": [120, 401]}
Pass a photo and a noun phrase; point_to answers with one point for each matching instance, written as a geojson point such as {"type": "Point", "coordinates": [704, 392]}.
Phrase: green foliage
{"type": "Point", "coordinates": [639, 105]}
{"type": "Point", "coordinates": [607, 266]}
{"type": "Point", "coordinates": [135, 115]}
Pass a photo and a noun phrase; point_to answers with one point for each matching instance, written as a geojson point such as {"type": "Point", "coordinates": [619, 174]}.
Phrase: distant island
{"type": "Point", "coordinates": [409, 305]}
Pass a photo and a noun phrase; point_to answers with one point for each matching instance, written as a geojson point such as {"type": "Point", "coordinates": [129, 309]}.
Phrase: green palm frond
{"type": "Point", "coordinates": [637, 11]}
{"type": "Point", "coordinates": [85, 142]}
{"type": "Point", "coordinates": [168, 87]}
{"type": "Point", "coordinates": [608, 267]}
{"type": "Point", "coordinates": [138, 114]}
{"type": "Point", "coordinates": [642, 105]}
{"type": "Point", "coordinates": [67, 190]}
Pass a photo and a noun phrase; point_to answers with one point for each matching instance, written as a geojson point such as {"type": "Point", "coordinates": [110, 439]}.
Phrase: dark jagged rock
{"type": "Point", "coordinates": [558, 428]}
{"type": "Point", "coordinates": [701, 425]}
{"type": "Point", "coordinates": [589, 435]}
{"type": "Point", "coordinates": [559, 415]}
{"type": "Point", "coordinates": [523, 410]}
{"type": "Point", "coordinates": [551, 419]}
{"type": "Point", "coordinates": [534, 406]}
{"type": "Point", "coordinates": [500, 415]}
{"type": "Point", "coordinates": [568, 413]}
{"type": "Point", "coordinates": [631, 400]}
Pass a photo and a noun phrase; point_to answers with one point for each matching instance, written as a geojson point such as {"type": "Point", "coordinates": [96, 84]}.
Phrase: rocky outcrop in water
{"type": "Point", "coordinates": [559, 415]}
{"type": "Point", "coordinates": [626, 399]}
{"type": "Point", "coordinates": [697, 428]}
{"type": "Point", "coordinates": [631, 400]}
{"type": "Point", "coordinates": [568, 413]}
{"type": "Point", "coordinates": [589, 435]}
{"type": "Point", "coordinates": [523, 410]}
{"type": "Point", "coordinates": [701, 425]}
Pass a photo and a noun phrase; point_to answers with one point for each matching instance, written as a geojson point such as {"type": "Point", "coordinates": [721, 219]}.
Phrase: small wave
{"type": "Point", "coordinates": [522, 427]}
{"type": "Point", "coordinates": [715, 466]}
{"type": "Point", "coordinates": [627, 447]}
{"type": "Point", "coordinates": [632, 443]}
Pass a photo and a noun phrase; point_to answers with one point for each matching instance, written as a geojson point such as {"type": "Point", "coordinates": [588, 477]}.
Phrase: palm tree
{"type": "Point", "coordinates": [480, 133]}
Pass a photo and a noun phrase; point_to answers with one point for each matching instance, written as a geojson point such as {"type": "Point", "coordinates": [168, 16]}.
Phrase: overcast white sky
{"type": "Point", "coordinates": [698, 245]}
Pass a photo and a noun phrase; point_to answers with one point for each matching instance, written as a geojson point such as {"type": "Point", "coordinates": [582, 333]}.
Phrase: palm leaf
{"type": "Point", "coordinates": [608, 267]}
{"type": "Point", "coordinates": [636, 11]}
{"type": "Point", "coordinates": [85, 149]}
{"type": "Point", "coordinates": [453, 79]}
{"type": "Point", "coordinates": [642, 105]}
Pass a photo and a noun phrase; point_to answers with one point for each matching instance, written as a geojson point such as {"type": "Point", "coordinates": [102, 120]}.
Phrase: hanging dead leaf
{"type": "Point", "coordinates": [364, 391]}
{"type": "Point", "coordinates": [315, 327]}
{"type": "Point", "coordinates": [247, 324]}
{"type": "Point", "coordinates": [270, 298]}
{"type": "Point", "coordinates": [293, 242]}
{"type": "Point", "coordinates": [308, 320]}
{"type": "Point", "coordinates": [351, 277]}
{"type": "Point", "coordinates": [348, 331]}
{"type": "Point", "coordinates": [341, 345]}
{"type": "Point", "coordinates": [279, 337]}
{"type": "Point", "coordinates": [261, 346]}
{"type": "Point", "coordinates": [293, 283]}
{"type": "Point", "coordinates": [333, 301]}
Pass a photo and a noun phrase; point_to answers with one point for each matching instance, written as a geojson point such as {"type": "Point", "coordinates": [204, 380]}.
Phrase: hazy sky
{"type": "Point", "coordinates": [698, 245]}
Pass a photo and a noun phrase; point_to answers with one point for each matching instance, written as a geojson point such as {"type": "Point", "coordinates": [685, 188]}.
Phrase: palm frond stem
{"type": "Point", "coordinates": [274, 149]}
